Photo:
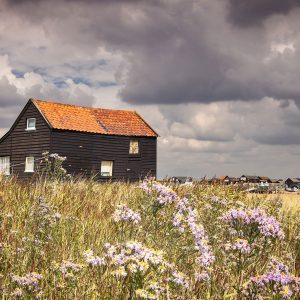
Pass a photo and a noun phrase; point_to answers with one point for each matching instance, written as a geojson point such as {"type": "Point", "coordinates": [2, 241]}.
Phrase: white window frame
{"type": "Point", "coordinates": [28, 122]}
{"type": "Point", "coordinates": [107, 168]}
{"type": "Point", "coordinates": [5, 165]}
{"type": "Point", "coordinates": [138, 149]}
{"type": "Point", "coordinates": [29, 167]}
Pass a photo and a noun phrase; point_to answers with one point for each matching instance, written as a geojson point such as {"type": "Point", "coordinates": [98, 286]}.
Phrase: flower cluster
{"type": "Point", "coordinates": [217, 200]}
{"type": "Point", "coordinates": [57, 157]}
{"type": "Point", "coordinates": [45, 213]}
{"type": "Point", "coordinates": [134, 259]}
{"type": "Point", "coordinates": [206, 257]}
{"type": "Point", "coordinates": [123, 213]}
{"type": "Point", "coordinates": [180, 278]}
{"type": "Point", "coordinates": [52, 166]}
{"type": "Point", "coordinates": [267, 225]}
{"type": "Point", "coordinates": [178, 221]}
{"type": "Point", "coordinates": [165, 194]}
{"type": "Point", "coordinates": [276, 280]}
{"type": "Point", "coordinates": [185, 217]}
{"type": "Point", "coordinates": [44, 219]}
{"type": "Point", "coordinates": [28, 283]}
{"type": "Point", "coordinates": [240, 245]}
{"type": "Point", "coordinates": [67, 268]}
{"type": "Point", "coordinates": [93, 260]}
{"type": "Point", "coordinates": [133, 255]}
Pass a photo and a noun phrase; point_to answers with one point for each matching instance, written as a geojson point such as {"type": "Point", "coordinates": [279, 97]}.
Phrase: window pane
{"type": "Point", "coordinates": [106, 168]}
{"type": "Point", "coordinates": [134, 147]}
{"type": "Point", "coordinates": [5, 165]}
{"type": "Point", "coordinates": [29, 165]}
{"type": "Point", "coordinates": [31, 123]}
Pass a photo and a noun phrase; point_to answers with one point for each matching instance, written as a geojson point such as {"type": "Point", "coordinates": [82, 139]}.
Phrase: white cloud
{"type": "Point", "coordinates": [262, 138]}
{"type": "Point", "coordinates": [280, 48]}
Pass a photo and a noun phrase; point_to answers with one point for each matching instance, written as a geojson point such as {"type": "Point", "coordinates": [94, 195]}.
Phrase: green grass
{"type": "Point", "coordinates": [35, 241]}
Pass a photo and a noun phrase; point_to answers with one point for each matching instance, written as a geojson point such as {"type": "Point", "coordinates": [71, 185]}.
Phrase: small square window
{"type": "Point", "coordinates": [5, 165]}
{"type": "Point", "coordinates": [31, 124]}
{"type": "Point", "coordinates": [134, 147]}
{"type": "Point", "coordinates": [106, 168]}
{"type": "Point", "coordinates": [29, 164]}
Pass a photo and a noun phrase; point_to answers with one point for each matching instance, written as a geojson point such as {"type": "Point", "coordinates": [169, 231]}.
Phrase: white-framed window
{"type": "Point", "coordinates": [107, 168]}
{"type": "Point", "coordinates": [31, 124]}
{"type": "Point", "coordinates": [29, 164]}
{"type": "Point", "coordinates": [134, 147]}
{"type": "Point", "coordinates": [5, 165]}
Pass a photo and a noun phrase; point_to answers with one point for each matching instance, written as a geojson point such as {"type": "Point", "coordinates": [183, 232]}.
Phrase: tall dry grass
{"type": "Point", "coordinates": [46, 222]}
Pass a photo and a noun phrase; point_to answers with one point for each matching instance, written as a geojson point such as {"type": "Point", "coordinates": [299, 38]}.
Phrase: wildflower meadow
{"type": "Point", "coordinates": [74, 238]}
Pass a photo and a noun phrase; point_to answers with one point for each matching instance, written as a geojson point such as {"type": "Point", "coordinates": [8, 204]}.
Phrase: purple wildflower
{"type": "Point", "coordinates": [180, 279]}
{"type": "Point", "coordinates": [92, 260]}
{"type": "Point", "coordinates": [240, 245]}
{"type": "Point", "coordinates": [186, 216]}
{"type": "Point", "coordinates": [277, 279]}
{"type": "Point", "coordinates": [267, 225]}
{"type": "Point", "coordinates": [29, 281]}
{"type": "Point", "coordinates": [122, 212]}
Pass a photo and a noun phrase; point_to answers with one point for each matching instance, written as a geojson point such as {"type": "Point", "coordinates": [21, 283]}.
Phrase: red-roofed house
{"type": "Point", "coordinates": [115, 144]}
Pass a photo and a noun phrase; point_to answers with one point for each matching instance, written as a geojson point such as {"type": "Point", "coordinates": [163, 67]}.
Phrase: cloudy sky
{"type": "Point", "coordinates": [218, 79]}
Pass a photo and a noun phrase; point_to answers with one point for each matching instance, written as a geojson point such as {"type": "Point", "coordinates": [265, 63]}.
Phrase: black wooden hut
{"type": "Point", "coordinates": [112, 144]}
{"type": "Point", "coordinates": [293, 183]}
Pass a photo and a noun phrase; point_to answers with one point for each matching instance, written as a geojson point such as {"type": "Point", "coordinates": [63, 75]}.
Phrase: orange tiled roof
{"type": "Point", "coordinates": [94, 120]}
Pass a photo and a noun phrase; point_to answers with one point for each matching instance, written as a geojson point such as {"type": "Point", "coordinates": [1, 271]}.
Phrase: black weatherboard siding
{"type": "Point", "coordinates": [19, 143]}
{"type": "Point", "coordinates": [84, 151]}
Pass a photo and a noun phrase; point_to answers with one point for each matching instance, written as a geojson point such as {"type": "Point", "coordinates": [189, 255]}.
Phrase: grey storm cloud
{"type": "Point", "coordinates": [9, 96]}
{"type": "Point", "coordinates": [10, 102]}
{"type": "Point", "coordinates": [182, 51]}
{"type": "Point", "coordinates": [254, 12]}
{"type": "Point", "coordinates": [20, 2]}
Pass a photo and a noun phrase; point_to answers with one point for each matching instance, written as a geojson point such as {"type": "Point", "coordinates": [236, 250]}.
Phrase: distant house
{"type": "Point", "coordinates": [182, 179]}
{"type": "Point", "coordinates": [213, 180]}
{"type": "Point", "coordinates": [223, 178]}
{"type": "Point", "coordinates": [274, 181]}
{"type": "Point", "coordinates": [263, 179]}
{"type": "Point", "coordinates": [249, 179]}
{"type": "Point", "coordinates": [115, 144]}
{"type": "Point", "coordinates": [229, 180]}
{"type": "Point", "coordinates": [234, 180]}
{"type": "Point", "coordinates": [292, 183]}
{"type": "Point", "coordinates": [275, 185]}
